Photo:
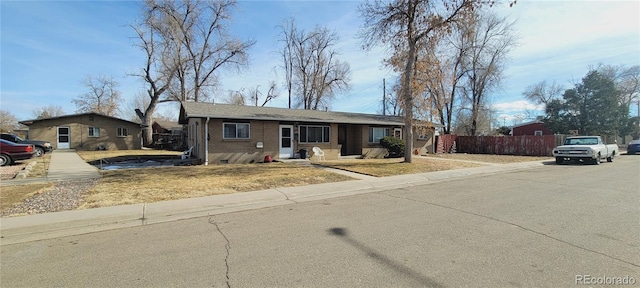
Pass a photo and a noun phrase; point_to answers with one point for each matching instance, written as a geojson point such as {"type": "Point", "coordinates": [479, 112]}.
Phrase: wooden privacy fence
{"type": "Point", "coordinates": [527, 145]}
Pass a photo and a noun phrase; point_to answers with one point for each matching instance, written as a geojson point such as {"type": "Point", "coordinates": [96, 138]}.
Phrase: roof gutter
{"type": "Point", "coordinates": [206, 142]}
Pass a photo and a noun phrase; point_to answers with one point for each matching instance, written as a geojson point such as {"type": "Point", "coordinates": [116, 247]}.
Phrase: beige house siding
{"type": "Point", "coordinates": [423, 145]}
{"type": "Point", "coordinates": [47, 130]}
{"type": "Point", "coordinates": [222, 150]}
{"type": "Point", "coordinates": [373, 150]}
{"type": "Point", "coordinates": [331, 150]}
{"type": "Point", "coordinates": [348, 135]}
{"type": "Point", "coordinates": [247, 150]}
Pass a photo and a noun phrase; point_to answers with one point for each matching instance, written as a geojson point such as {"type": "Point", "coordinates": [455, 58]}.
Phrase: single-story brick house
{"type": "Point", "coordinates": [536, 128]}
{"type": "Point", "coordinates": [86, 131]}
{"type": "Point", "coordinates": [223, 133]}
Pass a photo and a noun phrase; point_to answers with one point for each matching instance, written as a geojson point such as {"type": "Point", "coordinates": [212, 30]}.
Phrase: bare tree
{"type": "Point", "coordinates": [185, 44]}
{"type": "Point", "coordinates": [464, 122]}
{"type": "Point", "coordinates": [235, 97]}
{"type": "Point", "coordinates": [542, 92]}
{"type": "Point", "coordinates": [272, 93]}
{"type": "Point", "coordinates": [443, 74]}
{"type": "Point", "coordinates": [139, 102]}
{"type": "Point", "coordinates": [47, 112]}
{"type": "Point", "coordinates": [287, 35]}
{"type": "Point", "coordinates": [8, 121]}
{"type": "Point", "coordinates": [393, 103]}
{"type": "Point", "coordinates": [103, 96]}
{"type": "Point", "coordinates": [202, 46]}
{"type": "Point", "coordinates": [312, 67]}
{"type": "Point", "coordinates": [492, 39]}
{"type": "Point", "coordinates": [627, 80]}
{"type": "Point", "coordinates": [157, 74]}
{"type": "Point", "coordinates": [406, 27]}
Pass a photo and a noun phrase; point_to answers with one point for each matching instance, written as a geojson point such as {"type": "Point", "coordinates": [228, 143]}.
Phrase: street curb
{"type": "Point", "coordinates": [21, 229]}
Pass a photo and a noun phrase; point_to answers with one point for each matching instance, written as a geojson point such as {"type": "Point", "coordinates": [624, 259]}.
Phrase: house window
{"type": "Point", "coordinates": [122, 132]}
{"type": "Point", "coordinates": [314, 134]}
{"type": "Point", "coordinates": [94, 132]}
{"type": "Point", "coordinates": [423, 133]}
{"type": "Point", "coordinates": [377, 133]}
{"type": "Point", "coordinates": [235, 130]}
{"type": "Point", "coordinates": [538, 133]}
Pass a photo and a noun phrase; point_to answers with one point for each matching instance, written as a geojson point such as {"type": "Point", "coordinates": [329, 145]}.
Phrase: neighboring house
{"type": "Point", "coordinates": [168, 135]}
{"type": "Point", "coordinates": [86, 131]}
{"type": "Point", "coordinates": [536, 128]}
{"type": "Point", "coordinates": [222, 133]}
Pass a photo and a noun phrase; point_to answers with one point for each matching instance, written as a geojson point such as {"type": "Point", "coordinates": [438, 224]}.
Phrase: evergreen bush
{"type": "Point", "coordinates": [394, 146]}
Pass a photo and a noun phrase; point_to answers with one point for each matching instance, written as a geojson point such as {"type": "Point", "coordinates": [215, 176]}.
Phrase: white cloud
{"type": "Point", "coordinates": [519, 105]}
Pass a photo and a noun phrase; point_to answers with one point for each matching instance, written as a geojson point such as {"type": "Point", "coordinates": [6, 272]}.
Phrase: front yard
{"type": "Point", "coordinates": [129, 186]}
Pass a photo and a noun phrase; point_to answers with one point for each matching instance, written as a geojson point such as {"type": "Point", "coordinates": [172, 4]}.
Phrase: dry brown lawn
{"type": "Point", "coordinates": [495, 159]}
{"type": "Point", "coordinates": [144, 185]}
{"type": "Point", "coordinates": [391, 167]}
{"type": "Point", "coordinates": [397, 166]}
{"type": "Point", "coordinates": [128, 186]}
{"type": "Point", "coordinates": [17, 194]}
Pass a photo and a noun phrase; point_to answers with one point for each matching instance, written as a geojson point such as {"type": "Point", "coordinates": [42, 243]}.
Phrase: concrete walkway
{"type": "Point", "coordinates": [67, 165]}
{"type": "Point", "coordinates": [66, 223]}
{"type": "Point", "coordinates": [64, 165]}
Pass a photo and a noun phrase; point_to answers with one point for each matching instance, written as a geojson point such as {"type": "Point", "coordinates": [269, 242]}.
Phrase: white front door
{"type": "Point", "coordinates": [286, 141]}
{"type": "Point", "coordinates": [64, 137]}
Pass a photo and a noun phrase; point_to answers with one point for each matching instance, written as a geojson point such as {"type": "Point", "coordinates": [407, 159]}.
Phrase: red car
{"type": "Point", "coordinates": [11, 152]}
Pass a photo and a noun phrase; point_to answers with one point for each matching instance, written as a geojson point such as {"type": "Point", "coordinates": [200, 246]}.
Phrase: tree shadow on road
{"type": "Point", "coordinates": [382, 259]}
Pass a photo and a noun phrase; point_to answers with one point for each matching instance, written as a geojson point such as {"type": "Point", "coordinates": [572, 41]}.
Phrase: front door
{"type": "Point", "coordinates": [64, 137]}
{"type": "Point", "coordinates": [286, 141]}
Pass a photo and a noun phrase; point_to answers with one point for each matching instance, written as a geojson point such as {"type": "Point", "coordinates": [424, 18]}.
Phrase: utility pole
{"type": "Point", "coordinates": [384, 97]}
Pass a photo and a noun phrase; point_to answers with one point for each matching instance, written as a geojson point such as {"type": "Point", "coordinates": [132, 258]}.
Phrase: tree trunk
{"type": "Point", "coordinates": [147, 131]}
{"type": "Point", "coordinates": [408, 103]}
{"type": "Point", "coordinates": [147, 121]}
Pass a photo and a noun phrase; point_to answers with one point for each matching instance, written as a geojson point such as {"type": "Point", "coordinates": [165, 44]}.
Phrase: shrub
{"type": "Point", "coordinates": [394, 146]}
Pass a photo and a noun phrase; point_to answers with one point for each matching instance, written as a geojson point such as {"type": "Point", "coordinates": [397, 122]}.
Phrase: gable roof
{"type": "Point", "coordinates": [239, 112]}
{"type": "Point", "coordinates": [29, 122]}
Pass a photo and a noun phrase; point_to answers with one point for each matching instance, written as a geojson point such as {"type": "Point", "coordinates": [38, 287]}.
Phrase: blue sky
{"type": "Point", "coordinates": [49, 47]}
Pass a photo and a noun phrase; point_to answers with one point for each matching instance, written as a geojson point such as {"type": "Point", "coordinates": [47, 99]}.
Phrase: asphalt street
{"type": "Point", "coordinates": [552, 226]}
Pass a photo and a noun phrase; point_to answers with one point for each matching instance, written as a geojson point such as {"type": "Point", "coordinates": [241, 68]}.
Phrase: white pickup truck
{"type": "Point", "coordinates": [585, 149]}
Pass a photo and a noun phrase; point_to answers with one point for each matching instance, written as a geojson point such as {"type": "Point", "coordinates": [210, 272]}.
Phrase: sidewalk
{"type": "Point", "coordinates": [67, 223]}
{"type": "Point", "coordinates": [64, 165]}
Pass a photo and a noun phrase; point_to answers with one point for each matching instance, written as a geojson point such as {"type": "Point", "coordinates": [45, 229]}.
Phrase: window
{"type": "Point", "coordinates": [423, 133]}
{"type": "Point", "coordinates": [314, 134]}
{"type": "Point", "coordinates": [94, 132]}
{"type": "Point", "coordinates": [235, 130]}
{"type": "Point", "coordinates": [122, 132]}
{"type": "Point", "coordinates": [377, 133]}
{"type": "Point", "coordinates": [537, 133]}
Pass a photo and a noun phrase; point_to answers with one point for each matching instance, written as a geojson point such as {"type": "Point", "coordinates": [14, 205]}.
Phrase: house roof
{"type": "Point", "coordinates": [527, 124]}
{"type": "Point", "coordinates": [227, 111]}
{"type": "Point", "coordinates": [29, 122]}
{"type": "Point", "coordinates": [168, 124]}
